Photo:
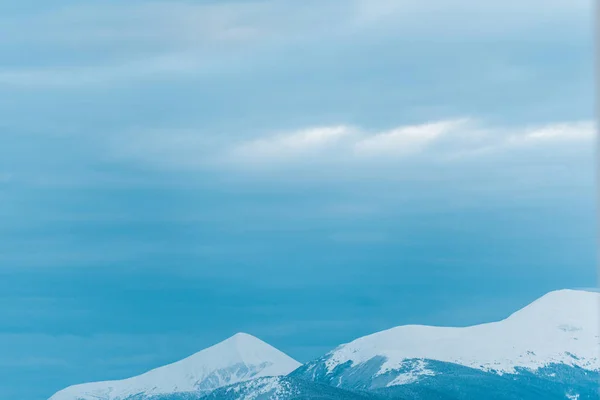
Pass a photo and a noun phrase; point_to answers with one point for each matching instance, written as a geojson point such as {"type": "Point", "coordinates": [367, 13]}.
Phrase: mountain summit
{"type": "Point", "coordinates": [240, 358]}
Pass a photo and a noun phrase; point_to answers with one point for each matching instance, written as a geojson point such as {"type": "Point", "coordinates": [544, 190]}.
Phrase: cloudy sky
{"type": "Point", "coordinates": [173, 172]}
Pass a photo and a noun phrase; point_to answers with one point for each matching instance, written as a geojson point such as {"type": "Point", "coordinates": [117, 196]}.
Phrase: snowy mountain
{"type": "Point", "coordinates": [284, 388]}
{"type": "Point", "coordinates": [551, 345]}
{"type": "Point", "coordinates": [561, 327]}
{"type": "Point", "coordinates": [547, 350]}
{"type": "Point", "coordinates": [239, 358]}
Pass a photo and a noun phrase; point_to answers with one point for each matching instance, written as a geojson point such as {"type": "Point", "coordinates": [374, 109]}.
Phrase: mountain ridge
{"type": "Point", "coordinates": [559, 327]}
{"type": "Point", "coordinates": [549, 345]}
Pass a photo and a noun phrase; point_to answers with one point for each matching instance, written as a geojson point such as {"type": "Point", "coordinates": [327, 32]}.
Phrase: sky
{"type": "Point", "coordinates": [174, 172]}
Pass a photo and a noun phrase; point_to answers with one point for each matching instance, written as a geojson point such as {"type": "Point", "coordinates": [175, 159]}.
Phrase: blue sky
{"type": "Point", "coordinates": [172, 173]}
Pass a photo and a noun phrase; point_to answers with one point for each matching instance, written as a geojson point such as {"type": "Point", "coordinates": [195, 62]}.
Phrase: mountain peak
{"type": "Point", "coordinates": [570, 294]}
{"type": "Point", "coordinates": [242, 338]}
{"type": "Point", "coordinates": [241, 348]}
{"type": "Point", "coordinates": [243, 335]}
{"type": "Point", "coordinates": [560, 307]}
{"type": "Point", "coordinates": [236, 359]}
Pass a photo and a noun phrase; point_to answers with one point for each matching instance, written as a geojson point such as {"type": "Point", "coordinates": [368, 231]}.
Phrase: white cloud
{"type": "Point", "coordinates": [562, 132]}
{"type": "Point", "coordinates": [337, 144]}
{"type": "Point", "coordinates": [339, 147]}
{"type": "Point", "coordinates": [543, 138]}
{"type": "Point", "coordinates": [405, 140]}
{"type": "Point", "coordinates": [289, 147]}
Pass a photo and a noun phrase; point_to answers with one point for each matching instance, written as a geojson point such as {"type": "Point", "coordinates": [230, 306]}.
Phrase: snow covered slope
{"type": "Point", "coordinates": [561, 327]}
{"type": "Point", "coordinates": [555, 339]}
{"type": "Point", "coordinates": [285, 388]}
{"type": "Point", "coordinates": [237, 359]}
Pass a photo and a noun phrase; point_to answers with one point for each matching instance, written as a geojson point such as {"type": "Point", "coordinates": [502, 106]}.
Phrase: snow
{"type": "Point", "coordinates": [275, 387]}
{"type": "Point", "coordinates": [237, 359]}
{"type": "Point", "coordinates": [418, 371]}
{"type": "Point", "coordinates": [560, 327]}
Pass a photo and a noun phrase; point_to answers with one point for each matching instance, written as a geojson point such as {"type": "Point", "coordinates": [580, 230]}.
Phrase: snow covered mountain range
{"type": "Point", "coordinates": [549, 349]}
